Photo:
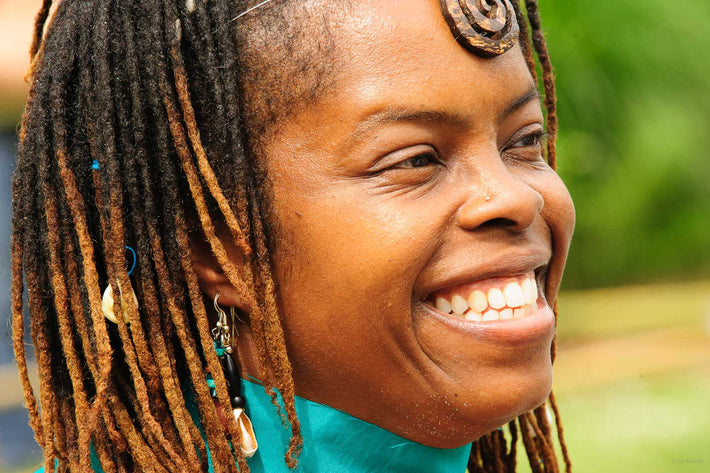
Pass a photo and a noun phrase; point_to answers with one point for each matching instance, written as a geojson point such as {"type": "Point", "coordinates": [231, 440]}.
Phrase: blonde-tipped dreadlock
{"type": "Point", "coordinates": [137, 86]}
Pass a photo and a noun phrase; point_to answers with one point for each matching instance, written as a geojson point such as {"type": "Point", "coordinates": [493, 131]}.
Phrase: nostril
{"type": "Point", "coordinates": [499, 222]}
{"type": "Point", "coordinates": [513, 205]}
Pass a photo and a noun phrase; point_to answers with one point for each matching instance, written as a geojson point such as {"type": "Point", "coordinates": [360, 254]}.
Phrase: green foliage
{"type": "Point", "coordinates": [634, 104]}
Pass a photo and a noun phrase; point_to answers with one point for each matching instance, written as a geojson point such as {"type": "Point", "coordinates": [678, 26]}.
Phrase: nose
{"type": "Point", "coordinates": [498, 197]}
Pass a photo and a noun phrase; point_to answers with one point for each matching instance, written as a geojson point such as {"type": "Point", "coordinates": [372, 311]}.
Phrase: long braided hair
{"type": "Point", "coordinates": [135, 134]}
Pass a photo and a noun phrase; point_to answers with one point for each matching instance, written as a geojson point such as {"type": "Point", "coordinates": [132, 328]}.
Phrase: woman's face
{"type": "Point", "coordinates": [418, 177]}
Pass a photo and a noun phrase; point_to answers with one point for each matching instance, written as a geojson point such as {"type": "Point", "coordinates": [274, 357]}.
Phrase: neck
{"type": "Point", "coordinates": [336, 441]}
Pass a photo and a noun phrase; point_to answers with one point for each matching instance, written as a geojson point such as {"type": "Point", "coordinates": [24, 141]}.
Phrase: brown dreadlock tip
{"type": "Point", "coordinates": [249, 443]}
{"type": "Point", "coordinates": [486, 28]}
{"type": "Point", "coordinates": [107, 304]}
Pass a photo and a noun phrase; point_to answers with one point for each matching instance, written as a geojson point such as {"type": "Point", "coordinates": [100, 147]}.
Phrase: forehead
{"type": "Point", "coordinates": [402, 55]}
{"type": "Point", "coordinates": [407, 44]}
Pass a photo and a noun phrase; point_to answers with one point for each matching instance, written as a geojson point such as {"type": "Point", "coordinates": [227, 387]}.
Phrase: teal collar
{"type": "Point", "coordinates": [334, 441]}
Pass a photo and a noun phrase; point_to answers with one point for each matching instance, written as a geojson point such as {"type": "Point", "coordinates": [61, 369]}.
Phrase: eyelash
{"type": "Point", "coordinates": [409, 163]}
{"type": "Point", "coordinates": [539, 137]}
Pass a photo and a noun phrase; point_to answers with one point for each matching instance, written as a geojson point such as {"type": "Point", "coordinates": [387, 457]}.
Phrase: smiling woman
{"type": "Point", "coordinates": [361, 186]}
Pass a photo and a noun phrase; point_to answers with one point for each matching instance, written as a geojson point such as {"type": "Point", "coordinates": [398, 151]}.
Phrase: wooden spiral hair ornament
{"type": "Point", "coordinates": [486, 28]}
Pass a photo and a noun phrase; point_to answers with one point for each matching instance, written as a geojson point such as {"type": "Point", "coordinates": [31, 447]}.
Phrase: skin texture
{"type": "Point", "coordinates": [379, 195]}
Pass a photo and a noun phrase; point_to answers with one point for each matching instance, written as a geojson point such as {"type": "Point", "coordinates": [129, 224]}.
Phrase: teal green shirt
{"type": "Point", "coordinates": [334, 441]}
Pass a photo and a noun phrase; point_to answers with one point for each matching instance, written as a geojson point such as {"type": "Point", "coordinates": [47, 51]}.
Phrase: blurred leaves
{"type": "Point", "coordinates": [634, 103]}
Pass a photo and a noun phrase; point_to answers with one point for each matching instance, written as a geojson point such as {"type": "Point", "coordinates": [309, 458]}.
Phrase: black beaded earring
{"type": "Point", "coordinates": [222, 340]}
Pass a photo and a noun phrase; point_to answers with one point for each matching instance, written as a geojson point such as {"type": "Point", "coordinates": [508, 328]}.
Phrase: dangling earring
{"type": "Point", "coordinates": [223, 346]}
{"type": "Point", "coordinates": [107, 303]}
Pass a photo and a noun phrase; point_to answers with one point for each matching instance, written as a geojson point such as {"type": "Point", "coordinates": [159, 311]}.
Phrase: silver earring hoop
{"type": "Point", "coordinates": [221, 332]}
{"type": "Point", "coordinates": [232, 312]}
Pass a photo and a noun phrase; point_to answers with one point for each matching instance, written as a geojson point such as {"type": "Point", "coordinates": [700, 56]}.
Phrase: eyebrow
{"type": "Point", "coordinates": [531, 94]}
{"type": "Point", "coordinates": [397, 115]}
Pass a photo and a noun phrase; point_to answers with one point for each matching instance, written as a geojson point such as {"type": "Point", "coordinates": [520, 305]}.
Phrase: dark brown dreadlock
{"type": "Point", "coordinates": [145, 91]}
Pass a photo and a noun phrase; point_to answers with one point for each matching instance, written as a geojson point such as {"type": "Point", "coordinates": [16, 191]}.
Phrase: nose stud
{"type": "Point", "coordinates": [488, 197]}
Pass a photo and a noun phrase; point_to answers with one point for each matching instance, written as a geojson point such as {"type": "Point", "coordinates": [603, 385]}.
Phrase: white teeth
{"type": "Point", "coordinates": [496, 299]}
{"type": "Point", "coordinates": [478, 301]}
{"type": "Point", "coordinates": [458, 304]}
{"type": "Point", "coordinates": [515, 300]}
{"type": "Point", "coordinates": [514, 295]}
{"type": "Point", "coordinates": [530, 290]}
{"type": "Point", "coordinates": [443, 305]}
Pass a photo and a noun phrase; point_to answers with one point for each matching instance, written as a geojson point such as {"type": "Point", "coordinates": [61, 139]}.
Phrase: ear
{"type": "Point", "coordinates": [211, 277]}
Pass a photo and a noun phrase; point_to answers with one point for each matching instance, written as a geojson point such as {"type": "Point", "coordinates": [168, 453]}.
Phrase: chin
{"type": "Point", "coordinates": [470, 411]}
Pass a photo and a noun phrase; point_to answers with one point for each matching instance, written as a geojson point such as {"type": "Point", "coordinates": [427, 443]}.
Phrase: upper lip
{"type": "Point", "coordinates": [502, 264]}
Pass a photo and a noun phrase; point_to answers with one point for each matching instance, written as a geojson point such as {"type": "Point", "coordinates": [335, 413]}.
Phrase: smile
{"type": "Point", "coordinates": [490, 300]}
{"type": "Point", "coordinates": [505, 310]}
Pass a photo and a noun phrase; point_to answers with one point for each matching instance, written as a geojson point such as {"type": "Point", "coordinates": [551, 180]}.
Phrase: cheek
{"type": "Point", "coordinates": [558, 209]}
{"type": "Point", "coordinates": [338, 259]}
{"type": "Point", "coordinates": [345, 239]}
{"type": "Point", "coordinates": [559, 215]}
{"type": "Point", "coordinates": [345, 275]}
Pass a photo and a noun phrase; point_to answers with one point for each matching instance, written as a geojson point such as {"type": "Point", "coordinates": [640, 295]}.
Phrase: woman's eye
{"type": "Point", "coordinates": [533, 139]}
{"type": "Point", "coordinates": [411, 167]}
{"type": "Point", "coordinates": [420, 161]}
{"type": "Point", "coordinates": [526, 148]}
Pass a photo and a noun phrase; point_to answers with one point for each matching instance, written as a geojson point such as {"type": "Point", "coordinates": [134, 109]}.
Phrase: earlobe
{"type": "Point", "coordinates": [212, 281]}
{"type": "Point", "coordinates": [211, 276]}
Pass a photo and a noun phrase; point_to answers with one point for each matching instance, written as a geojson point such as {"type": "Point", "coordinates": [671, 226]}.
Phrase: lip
{"type": "Point", "coordinates": [534, 329]}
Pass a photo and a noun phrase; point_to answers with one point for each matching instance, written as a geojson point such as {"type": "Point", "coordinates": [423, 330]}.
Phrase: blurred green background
{"type": "Point", "coordinates": [633, 372]}
{"type": "Point", "coordinates": [633, 367]}
{"type": "Point", "coordinates": [633, 82]}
